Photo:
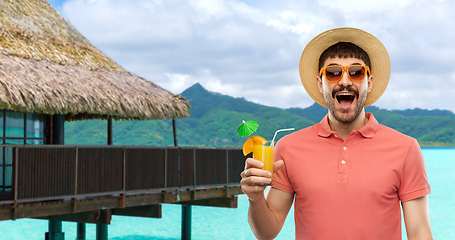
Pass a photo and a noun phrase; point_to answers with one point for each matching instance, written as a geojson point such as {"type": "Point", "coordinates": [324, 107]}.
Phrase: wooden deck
{"type": "Point", "coordinates": [79, 182]}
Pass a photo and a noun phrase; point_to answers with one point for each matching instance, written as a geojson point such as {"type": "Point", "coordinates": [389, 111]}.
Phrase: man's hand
{"type": "Point", "coordinates": [254, 179]}
{"type": "Point", "coordinates": [266, 214]}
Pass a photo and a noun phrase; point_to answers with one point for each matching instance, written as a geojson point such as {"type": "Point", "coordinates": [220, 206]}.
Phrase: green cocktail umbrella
{"type": "Point", "coordinates": [247, 128]}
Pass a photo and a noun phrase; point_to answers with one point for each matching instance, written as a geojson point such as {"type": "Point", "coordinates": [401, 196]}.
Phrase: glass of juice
{"type": "Point", "coordinates": [264, 153]}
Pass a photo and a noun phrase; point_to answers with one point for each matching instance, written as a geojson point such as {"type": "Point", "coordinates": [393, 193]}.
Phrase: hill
{"type": "Point", "coordinates": [215, 117]}
{"type": "Point", "coordinates": [429, 127]}
{"type": "Point", "coordinates": [417, 112]}
{"type": "Point", "coordinates": [213, 122]}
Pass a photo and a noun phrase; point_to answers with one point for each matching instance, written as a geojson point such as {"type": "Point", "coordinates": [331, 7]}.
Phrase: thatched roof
{"type": "Point", "coordinates": [47, 66]}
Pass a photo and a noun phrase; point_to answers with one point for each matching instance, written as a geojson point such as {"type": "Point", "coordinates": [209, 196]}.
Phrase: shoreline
{"type": "Point", "coordinates": [436, 144]}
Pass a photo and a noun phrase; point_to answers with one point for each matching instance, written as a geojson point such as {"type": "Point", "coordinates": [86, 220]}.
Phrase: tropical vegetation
{"type": "Point", "coordinates": [215, 117]}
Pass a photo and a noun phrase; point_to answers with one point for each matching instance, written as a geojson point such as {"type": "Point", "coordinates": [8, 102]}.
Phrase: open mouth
{"type": "Point", "coordinates": [345, 99]}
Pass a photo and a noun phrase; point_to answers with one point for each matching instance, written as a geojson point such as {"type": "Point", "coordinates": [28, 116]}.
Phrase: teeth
{"type": "Point", "coordinates": [345, 94]}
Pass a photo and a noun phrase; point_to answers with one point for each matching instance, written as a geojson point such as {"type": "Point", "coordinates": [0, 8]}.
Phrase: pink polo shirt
{"type": "Point", "coordinates": [352, 188]}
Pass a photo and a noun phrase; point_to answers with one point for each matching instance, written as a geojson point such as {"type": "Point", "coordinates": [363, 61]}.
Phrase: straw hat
{"type": "Point", "coordinates": [379, 60]}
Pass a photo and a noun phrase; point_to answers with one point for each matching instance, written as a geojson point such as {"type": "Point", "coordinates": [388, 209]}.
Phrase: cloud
{"type": "Point", "coordinates": [431, 92]}
{"type": "Point", "coordinates": [180, 82]}
{"type": "Point", "coordinates": [252, 49]}
{"type": "Point", "coordinates": [288, 21]}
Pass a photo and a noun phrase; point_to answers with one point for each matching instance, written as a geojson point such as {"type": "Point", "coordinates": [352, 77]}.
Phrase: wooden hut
{"type": "Point", "coordinates": [50, 73]}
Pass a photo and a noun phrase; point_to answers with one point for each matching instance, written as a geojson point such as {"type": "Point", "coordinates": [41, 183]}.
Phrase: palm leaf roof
{"type": "Point", "coordinates": [47, 66]}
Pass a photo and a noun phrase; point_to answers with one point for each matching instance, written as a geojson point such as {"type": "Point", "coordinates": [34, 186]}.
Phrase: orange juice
{"type": "Point", "coordinates": [265, 155]}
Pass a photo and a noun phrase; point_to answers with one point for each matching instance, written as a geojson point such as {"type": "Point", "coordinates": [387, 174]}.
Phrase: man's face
{"type": "Point", "coordinates": [345, 99]}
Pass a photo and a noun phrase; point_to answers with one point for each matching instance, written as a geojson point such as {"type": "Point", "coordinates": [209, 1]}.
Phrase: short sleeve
{"type": "Point", "coordinates": [280, 178]}
{"type": "Point", "coordinates": [414, 181]}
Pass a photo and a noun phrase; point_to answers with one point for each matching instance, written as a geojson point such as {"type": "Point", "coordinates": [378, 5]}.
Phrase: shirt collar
{"type": "Point", "coordinates": [367, 131]}
{"type": "Point", "coordinates": [370, 128]}
{"type": "Point", "coordinates": [324, 128]}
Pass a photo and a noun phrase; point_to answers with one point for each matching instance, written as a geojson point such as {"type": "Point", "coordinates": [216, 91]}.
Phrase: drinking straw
{"type": "Point", "coordinates": [272, 144]}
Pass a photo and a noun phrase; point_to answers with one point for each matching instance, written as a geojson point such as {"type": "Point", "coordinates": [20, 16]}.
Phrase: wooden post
{"type": "Point", "coordinates": [58, 138]}
{"type": "Point", "coordinates": [101, 232]}
{"type": "Point", "coordinates": [174, 130]}
{"type": "Point", "coordinates": [102, 229]}
{"type": "Point", "coordinates": [110, 140]}
{"type": "Point", "coordinates": [80, 231]}
{"type": "Point", "coordinates": [186, 209]}
{"type": "Point", "coordinates": [186, 222]}
{"type": "Point", "coordinates": [55, 230]}
{"type": "Point", "coordinates": [58, 129]}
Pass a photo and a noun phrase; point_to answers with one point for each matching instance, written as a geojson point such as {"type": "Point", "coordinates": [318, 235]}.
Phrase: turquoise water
{"type": "Point", "coordinates": [222, 223]}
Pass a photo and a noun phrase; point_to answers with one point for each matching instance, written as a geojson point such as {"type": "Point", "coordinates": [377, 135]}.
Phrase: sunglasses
{"type": "Point", "coordinates": [333, 73]}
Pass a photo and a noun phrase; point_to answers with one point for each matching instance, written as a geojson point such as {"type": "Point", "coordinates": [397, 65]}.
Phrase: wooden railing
{"type": "Point", "coordinates": [53, 172]}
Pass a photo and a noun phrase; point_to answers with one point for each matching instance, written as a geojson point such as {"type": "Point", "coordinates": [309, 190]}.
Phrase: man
{"type": "Point", "coordinates": [347, 174]}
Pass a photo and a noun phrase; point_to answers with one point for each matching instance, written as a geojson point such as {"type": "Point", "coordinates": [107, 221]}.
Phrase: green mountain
{"type": "Point", "coordinates": [417, 112]}
{"type": "Point", "coordinates": [215, 117]}
{"type": "Point", "coordinates": [429, 127]}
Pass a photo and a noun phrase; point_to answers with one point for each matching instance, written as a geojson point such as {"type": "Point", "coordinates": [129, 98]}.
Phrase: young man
{"type": "Point", "coordinates": [347, 174]}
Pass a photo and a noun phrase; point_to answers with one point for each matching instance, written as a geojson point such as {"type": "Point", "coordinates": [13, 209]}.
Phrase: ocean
{"type": "Point", "coordinates": [224, 223]}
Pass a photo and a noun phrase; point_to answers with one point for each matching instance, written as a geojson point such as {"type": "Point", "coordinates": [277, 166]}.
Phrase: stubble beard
{"type": "Point", "coordinates": [338, 114]}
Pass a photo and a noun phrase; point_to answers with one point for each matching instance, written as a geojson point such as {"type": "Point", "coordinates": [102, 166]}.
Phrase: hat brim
{"type": "Point", "coordinates": [379, 61]}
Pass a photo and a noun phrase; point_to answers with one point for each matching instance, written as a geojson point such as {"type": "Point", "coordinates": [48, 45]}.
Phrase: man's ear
{"type": "Point", "coordinates": [319, 83]}
{"type": "Point", "coordinates": [370, 83]}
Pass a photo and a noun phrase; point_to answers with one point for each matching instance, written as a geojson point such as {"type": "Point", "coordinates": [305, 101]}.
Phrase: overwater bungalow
{"type": "Point", "coordinates": [49, 74]}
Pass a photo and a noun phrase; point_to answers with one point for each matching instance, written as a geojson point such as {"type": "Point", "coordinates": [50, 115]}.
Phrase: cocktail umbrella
{"type": "Point", "coordinates": [247, 128]}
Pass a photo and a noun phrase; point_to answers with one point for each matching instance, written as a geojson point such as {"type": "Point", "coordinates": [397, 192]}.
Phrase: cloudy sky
{"type": "Point", "coordinates": [251, 49]}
